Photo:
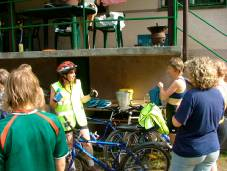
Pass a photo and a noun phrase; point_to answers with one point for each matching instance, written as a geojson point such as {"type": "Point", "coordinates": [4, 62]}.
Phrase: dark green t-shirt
{"type": "Point", "coordinates": [32, 144]}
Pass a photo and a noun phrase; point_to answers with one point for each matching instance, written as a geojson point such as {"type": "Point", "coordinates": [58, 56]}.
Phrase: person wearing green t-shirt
{"type": "Point", "coordinates": [30, 140]}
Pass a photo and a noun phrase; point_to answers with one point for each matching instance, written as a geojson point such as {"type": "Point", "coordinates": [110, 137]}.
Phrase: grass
{"type": "Point", "coordinates": [222, 162]}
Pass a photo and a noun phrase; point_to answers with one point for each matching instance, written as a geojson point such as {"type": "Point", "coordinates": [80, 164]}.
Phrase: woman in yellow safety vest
{"type": "Point", "coordinates": [67, 100]}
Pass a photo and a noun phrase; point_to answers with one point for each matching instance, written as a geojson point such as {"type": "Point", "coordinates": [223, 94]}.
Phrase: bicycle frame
{"type": "Point", "coordinates": [108, 125]}
{"type": "Point", "coordinates": [77, 146]}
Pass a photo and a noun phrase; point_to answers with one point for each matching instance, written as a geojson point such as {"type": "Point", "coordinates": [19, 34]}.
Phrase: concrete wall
{"type": "Point", "coordinates": [139, 73]}
{"type": "Point", "coordinates": [43, 68]}
{"type": "Point", "coordinates": [106, 74]}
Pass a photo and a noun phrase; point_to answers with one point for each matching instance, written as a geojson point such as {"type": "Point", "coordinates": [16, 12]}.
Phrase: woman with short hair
{"type": "Point", "coordinates": [174, 93]}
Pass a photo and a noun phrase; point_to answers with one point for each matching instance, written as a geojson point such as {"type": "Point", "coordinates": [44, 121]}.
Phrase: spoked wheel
{"type": "Point", "coordinates": [147, 157]}
{"type": "Point", "coordinates": [79, 164]}
{"type": "Point", "coordinates": [111, 152]}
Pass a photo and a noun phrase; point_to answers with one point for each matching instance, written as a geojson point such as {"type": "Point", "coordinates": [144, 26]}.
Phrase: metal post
{"type": "Point", "coordinates": [84, 27]}
{"type": "Point", "coordinates": [175, 22]}
{"type": "Point", "coordinates": [172, 22]}
{"type": "Point", "coordinates": [1, 36]}
{"type": "Point", "coordinates": [74, 33]}
{"type": "Point", "coordinates": [185, 30]}
{"type": "Point", "coordinates": [12, 25]}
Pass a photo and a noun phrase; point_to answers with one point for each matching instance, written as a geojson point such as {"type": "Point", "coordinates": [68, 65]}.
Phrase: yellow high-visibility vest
{"type": "Point", "coordinates": [70, 105]}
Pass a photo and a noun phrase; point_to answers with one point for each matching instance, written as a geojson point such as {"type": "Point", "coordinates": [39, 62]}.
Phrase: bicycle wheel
{"type": "Point", "coordinates": [79, 164]}
{"type": "Point", "coordinates": [140, 137]}
{"type": "Point", "coordinates": [130, 139]}
{"type": "Point", "coordinates": [146, 157]}
{"type": "Point", "coordinates": [111, 152]}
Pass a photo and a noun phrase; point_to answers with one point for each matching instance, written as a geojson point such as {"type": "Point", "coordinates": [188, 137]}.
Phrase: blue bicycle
{"type": "Point", "coordinates": [145, 157]}
{"type": "Point", "coordinates": [110, 124]}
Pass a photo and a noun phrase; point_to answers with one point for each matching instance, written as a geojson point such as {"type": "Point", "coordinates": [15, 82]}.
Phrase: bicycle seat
{"type": "Point", "coordinates": [130, 128]}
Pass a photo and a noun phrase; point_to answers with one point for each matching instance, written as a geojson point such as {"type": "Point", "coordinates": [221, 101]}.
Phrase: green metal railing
{"type": "Point", "coordinates": [205, 21]}
{"type": "Point", "coordinates": [198, 3]}
{"type": "Point", "coordinates": [205, 46]}
{"type": "Point", "coordinates": [199, 42]}
{"type": "Point", "coordinates": [13, 27]}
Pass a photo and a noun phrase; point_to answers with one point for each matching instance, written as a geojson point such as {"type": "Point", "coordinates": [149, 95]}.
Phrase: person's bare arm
{"type": "Point", "coordinates": [222, 120]}
{"type": "Point", "coordinates": [60, 164]}
{"type": "Point", "coordinates": [164, 94]}
{"type": "Point", "coordinates": [86, 98]}
{"type": "Point", "coordinates": [175, 122]}
{"type": "Point", "coordinates": [52, 102]}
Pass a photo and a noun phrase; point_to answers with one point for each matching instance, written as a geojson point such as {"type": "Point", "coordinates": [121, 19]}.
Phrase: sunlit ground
{"type": "Point", "coordinates": [222, 162]}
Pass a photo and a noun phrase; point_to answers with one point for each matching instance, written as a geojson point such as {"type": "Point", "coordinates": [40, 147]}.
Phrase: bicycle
{"type": "Point", "coordinates": [135, 134]}
{"type": "Point", "coordinates": [125, 155]}
{"type": "Point", "coordinates": [110, 124]}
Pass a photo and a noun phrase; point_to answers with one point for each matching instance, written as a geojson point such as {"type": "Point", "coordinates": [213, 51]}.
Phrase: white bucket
{"type": "Point", "coordinates": [123, 99]}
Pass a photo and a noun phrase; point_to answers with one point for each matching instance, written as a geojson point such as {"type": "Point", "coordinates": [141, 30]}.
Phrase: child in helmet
{"type": "Point", "coordinates": [67, 100]}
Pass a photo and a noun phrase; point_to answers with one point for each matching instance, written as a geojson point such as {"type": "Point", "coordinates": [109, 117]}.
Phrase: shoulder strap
{"type": "Point", "coordinates": [53, 125]}
{"type": "Point", "coordinates": [6, 130]}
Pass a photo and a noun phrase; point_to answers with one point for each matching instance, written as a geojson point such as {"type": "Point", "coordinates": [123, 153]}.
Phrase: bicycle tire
{"type": "Point", "coordinates": [115, 136]}
{"type": "Point", "coordinates": [131, 139]}
{"type": "Point", "coordinates": [146, 157]}
{"type": "Point", "coordinates": [139, 137]}
{"type": "Point", "coordinates": [80, 164]}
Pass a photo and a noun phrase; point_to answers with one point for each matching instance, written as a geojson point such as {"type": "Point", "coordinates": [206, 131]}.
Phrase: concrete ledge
{"type": "Point", "coordinates": [99, 52]}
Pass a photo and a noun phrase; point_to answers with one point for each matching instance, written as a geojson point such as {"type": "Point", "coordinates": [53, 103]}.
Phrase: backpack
{"type": "Point", "coordinates": [151, 116]}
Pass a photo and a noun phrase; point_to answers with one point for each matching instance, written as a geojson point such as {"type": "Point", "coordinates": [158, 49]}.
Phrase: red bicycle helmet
{"type": "Point", "coordinates": [65, 67]}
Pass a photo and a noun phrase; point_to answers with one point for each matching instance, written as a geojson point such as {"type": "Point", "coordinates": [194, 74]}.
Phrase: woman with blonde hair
{"type": "Point", "coordinates": [30, 139]}
{"type": "Point", "coordinates": [41, 101]}
{"type": "Point", "coordinates": [196, 146]}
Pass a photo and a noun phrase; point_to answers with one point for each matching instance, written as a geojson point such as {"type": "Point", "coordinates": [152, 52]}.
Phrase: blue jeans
{"type": "Point", "coordinates": [203, 163]}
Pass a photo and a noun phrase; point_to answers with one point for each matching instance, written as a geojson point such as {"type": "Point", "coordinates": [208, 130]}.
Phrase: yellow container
{"type": "Point", "coordinates": [130, 91]}
{"type": "Point", "coordinates": [21, 47]}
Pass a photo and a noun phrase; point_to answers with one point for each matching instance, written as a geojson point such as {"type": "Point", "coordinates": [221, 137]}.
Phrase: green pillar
{"type": "Point", "coordinates": [1, 36]}
{"type": "Point", "coordinates": [12, 20]}
{"type": "Point", "coordinates": [172, 22]}
{"type": "Point", "coordinates": [175, 22]}
{"type": "Point", "coordinates": [75, 37]}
